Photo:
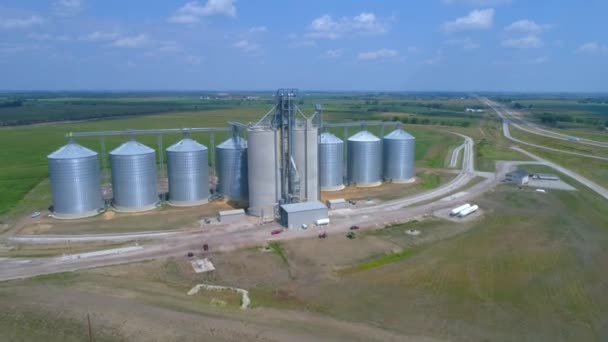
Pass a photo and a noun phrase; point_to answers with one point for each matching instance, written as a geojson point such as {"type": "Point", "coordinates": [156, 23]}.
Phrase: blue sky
{"type": "Point", "coordinates": [452, 45]}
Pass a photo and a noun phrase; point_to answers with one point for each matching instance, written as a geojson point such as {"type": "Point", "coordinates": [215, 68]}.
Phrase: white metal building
{"type": "Point", "coordinates": [338, 203]}
{"type": "Point", "coordinates": [295, 215]}
{"type": "Point", "coordinates": [519, 177]}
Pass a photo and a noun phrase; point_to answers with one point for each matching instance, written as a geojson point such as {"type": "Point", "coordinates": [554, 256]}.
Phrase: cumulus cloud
{"type": "Point", "coordinates": [248, 46]}
{"type": "Point", "coordinates": [193, 11]}
{"type": "Point", "coordinates": [592, 48]}
{"type": "Point", "coordinates": [131, 41]}
{"type": "Point", "coordinates": [464, 43]}
{"type": "Point", "coordinates": [258, 29]}
{"type": "Point", "coordinates": [302, 43]}
{"type": "Point", "coordinates": [379, 54]}
{"type": "Point", "coordinates": [326, 27]}
{"type": "Point", "coordinates": [21, 23]}
{"type": "Point", "coordinates": [49, 37]}
{"type": "Point", "coordinates": [332, 54]}
{"type": "Point", "coordinates": [477, 2]}
{"type": "Point", "coordinates": [99, 36]}
{"type": "Point", "coordinates": [526, 26]}
{"type": "Point", "coordinates": [67, 8]}
{"type": "Point", "coordinates": [525, 42]}
{"type": "Point", "coordinates": [475, 20]}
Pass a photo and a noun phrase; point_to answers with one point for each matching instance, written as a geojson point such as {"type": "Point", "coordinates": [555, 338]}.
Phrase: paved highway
{"type": "Point", "coordinates": [525, 125]}
{"type": "Point", "coordinates": [500, 111]}
{"type": "Point", "coordinates": [455, 155]}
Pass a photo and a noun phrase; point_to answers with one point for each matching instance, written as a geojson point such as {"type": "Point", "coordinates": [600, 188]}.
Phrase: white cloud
{"type": "Point", "coordinates": [382, 53]}
{"type": "Point", "coordinates": [258, 29]}
{"type": "Point", "coordinates": [49, 37]}
{"type": "Point", "coordinates": [477, 2]}
{"type": "Point", "coordinates": [193, 60]}
{"type": "Point", "coordinates": [302, 43]}
{"type": "Point", "coordinates": [464, 43]}
{"type": "Point", "coordinates": [67, 8]}
{"type": "Point", "coordinates": [247, 46]}
{"type": "Point", "coordinates": [538, 60]}
{"type": "Point", "coordinates": [432, 61]}
{"type": "Point", "coordinates": [325, 27]}
{"type": "Point", "coordinates": [193, 11]}
{"type": "Point", "coordinates": [16, 48]}
{"type": "Point", "coordinates": [169, 47]}
{"type": "Point", "coordinates": [413, 49]}
{"type": "Point", "coordinates": [332, 54]}
{"type": "Point", "coordinates": [131, 41]}
{"type": "Point", "coordinates": [21, 23]}
{"type": "Point", "coordinates": [476, 20]}
{"type": "Point", "coordinates": [526, 26]}
{"type": "Point", "coordinates": [99, 36]}
{"type": "Point", "coordinates": [593, 48]}
{"type": "Point", "coordinates": [526, 42]}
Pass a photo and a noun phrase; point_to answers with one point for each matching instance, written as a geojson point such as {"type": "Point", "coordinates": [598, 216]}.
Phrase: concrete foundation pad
{"type": "Point", "coordinates": [187, 204]}
{"type": "Point", "coordinates": [127, 210]}
{"type": "Point", "coordinates": [77, 216]}
{"type": "Point", "coordinates": [334, 188]}
{"type": "Point", "coordinates": [368, 185]}
{"type": "Point", "coordinates": [404, 181]}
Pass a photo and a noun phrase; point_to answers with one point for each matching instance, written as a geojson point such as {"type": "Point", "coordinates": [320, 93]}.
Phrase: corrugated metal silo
{"type": "Point", "coordinates": [231, 164]}
{"type": "Point", "coordinates": [398, 156]}
{"type": "Point", "coordinates": [331, 162]}
{"type": "Point", "coordinates": [134, 177]}
{"type": "Point", "coordinates": [263, 171]}
{"type": "Point", "coordinates": [188, 172]}
{"type": "Point", "coordinates": [364, 159]}
{"type": "Point", "coordinates": [75, 182]}
{"type": "Point", "coordinates": [305, 155]}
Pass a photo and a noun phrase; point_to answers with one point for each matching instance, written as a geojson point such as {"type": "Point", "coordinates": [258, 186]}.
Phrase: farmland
{"type": "Point", "coordinates": [25, 147]}
{"type": "Point", "coordinates": [531, 267]}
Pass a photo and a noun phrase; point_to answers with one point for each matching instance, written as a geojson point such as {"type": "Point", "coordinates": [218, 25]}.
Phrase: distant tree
{"type": "Point", "coordinates": [414, 120]}
{"type": "Point", "coordinates": [395, 118]}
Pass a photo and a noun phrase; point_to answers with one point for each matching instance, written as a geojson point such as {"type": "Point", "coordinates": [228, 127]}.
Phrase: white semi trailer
{"type": "Point", "coordinates": [457, 210]}
{"type": "Point", "coordinates": [468, 211]}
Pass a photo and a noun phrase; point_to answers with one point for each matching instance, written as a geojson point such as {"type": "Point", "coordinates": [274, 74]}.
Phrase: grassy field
{"type": "Point", "coordinates": [559, 144]}
{"type": "Point", "coordinates": [530, 268]}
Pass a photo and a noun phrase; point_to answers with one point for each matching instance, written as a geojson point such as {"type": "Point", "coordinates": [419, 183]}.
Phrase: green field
{"type": "Point", "coordinates": [530, 268]}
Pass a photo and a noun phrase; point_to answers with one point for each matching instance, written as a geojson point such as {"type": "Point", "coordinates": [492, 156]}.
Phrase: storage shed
{"type": "Point", "coordinates": [338, 203]}
{"type": "Point", "coordinates": [295, 215]}
{"type": "Point", "coordinates": [519, 177]}
{"type": "Point", "coordinates": [231, 215]}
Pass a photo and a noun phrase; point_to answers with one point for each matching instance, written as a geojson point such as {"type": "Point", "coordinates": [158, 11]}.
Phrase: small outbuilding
{"type": "Point", "coordinates": [519, 177]}
{"type": "Point", "coordinates": [231, 215]}
{"type": "Point", "coordinates": [338, 203]}
{"type": "Point", "coordinates": [546, 176]}
{"type": "Point", "coordinates": [296, 215]}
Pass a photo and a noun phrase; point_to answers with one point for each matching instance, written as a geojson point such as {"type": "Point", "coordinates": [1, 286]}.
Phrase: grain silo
{"type": "Point", "coordinates": [231, 164]}
{"type": "Point", "coordinates": [188, 173]}
{"type": "Point", "coordinates": [75, 182]}
{"type": "Point", "coordinates": [305, 155]}
{"type": "Point", "coordinates": [134, 177]}
{"type": "Point", "coordinates": [364, 160]}
{"type": "Point", "coordinates": [331, 162]}
{"type": "Point", "coordinates": [263, 171]}
{"type": "Point", "coordinates": [398, 156]}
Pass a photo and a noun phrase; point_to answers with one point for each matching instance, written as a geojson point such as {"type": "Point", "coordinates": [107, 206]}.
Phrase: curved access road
{"type": "Point", "coordinates": [530, 127]}
{"type": "Point", "coordinates": [507, 133]}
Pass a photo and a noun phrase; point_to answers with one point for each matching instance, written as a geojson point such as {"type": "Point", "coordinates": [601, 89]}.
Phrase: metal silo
{"type": "Point", "coordinates": [398, 156]}
{"type": "Point", "coordinates": [364, 159]}
{"type": "Point", "coordinates": [188, 172]}
{"type": "Point", "coordinates": [75, 182]}
{"type": "Point", "coordinates": [305, 155]}
{"type": "Point", "coordinates": [263, 171]}
{"type": "Point", "coordinates": [331, 162]}
{"type": "Point", "coordinates": [231, 164]}
{"type": "Point", "coordinates": [134, 177]}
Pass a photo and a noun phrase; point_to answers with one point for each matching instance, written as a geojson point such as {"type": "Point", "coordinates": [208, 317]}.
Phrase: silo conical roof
{"type": "Point", "coordinates": [131, 147]}
{"type": "Point", "coordinates": [72, 151]}
{"type": "Point", "coordinates": [399, 134]}
{"type": "Point", "coordinates": [233, 143]}
{"type": "Point", "coordinates": [364, 136]}
{"type": "Point", "coordinates": [186, 145]}
{"type": "Point", "coordinates": [328, 138]}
